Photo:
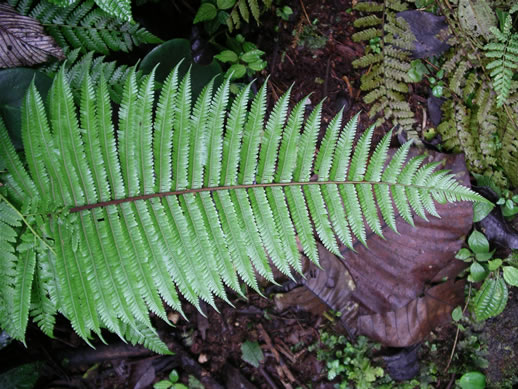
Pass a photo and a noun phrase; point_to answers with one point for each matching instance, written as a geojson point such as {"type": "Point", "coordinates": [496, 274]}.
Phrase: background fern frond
{"type": "Point", "coordinates": [82, 25]}
{"type": "Point", "coordinates": [120, 9]}
{"type": "Point", "coordinates": [482, 110]}
{"type": "Point", "coordinates": [122, 224]}
{"type": "Point", "coordinates": [387, 63]}
{"type": "Point", "coordinates": [504, 52]}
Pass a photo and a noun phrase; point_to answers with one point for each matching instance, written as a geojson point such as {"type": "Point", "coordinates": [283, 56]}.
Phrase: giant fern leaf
{"type": "Point", "coordinates": [183, 199]}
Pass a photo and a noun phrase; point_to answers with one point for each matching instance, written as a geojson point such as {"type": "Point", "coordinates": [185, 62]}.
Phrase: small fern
{"type": "Point", "coordinates": [505, 52]}
{"type": "Point", "coordinates": [185, 199]}
{"type": "Point", "coordinates": [84, 26]}
{"type": "Point", "coordinates": [387, 76]}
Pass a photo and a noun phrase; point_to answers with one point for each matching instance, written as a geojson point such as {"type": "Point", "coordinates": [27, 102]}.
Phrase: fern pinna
{"type": "Point", "coordinates": [183, 199]}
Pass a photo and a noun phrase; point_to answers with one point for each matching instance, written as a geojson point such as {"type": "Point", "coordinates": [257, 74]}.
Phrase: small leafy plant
{"type": "Point", "coordinates": [347, 362]}
{"type": "Point", "coordinates": [284, 12]}
{"type": "Point", "coordinates": [495, 273]}
{"type": "Point", "coordinates": [215, 13]}
{"type": "Point", "coordinates": [244, 57]}
{"type": "Point", "coordinates": [171, 382]}
{"type": "Point", "coordinates": [472, 380]}
{"type": "Point", "coordinates": [418, 70]}
{"type": "Point", "coordinates": [507, 200]}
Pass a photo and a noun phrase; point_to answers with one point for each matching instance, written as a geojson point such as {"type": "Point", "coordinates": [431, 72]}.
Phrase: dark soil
{"type": "Point", "coordinates": [313, 51]}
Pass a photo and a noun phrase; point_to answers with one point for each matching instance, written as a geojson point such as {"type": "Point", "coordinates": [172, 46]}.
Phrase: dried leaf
{"type": "Point", "coordinates": [410, 324]}
{"type": "Point", "coordinates": [476, 17]}
{"type": "Point", "coordinates": [23, 41]}
{"type": "Point", "coordinates": [388, 291]}
{"type": "Point", "coordinates": [428, 30]}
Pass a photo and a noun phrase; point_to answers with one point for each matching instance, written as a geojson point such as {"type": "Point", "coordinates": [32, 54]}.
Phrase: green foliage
{"type": "Point", "coordinates": [171, 382]}
{"type": "Point", "coordinates": [78, 65]}
{"type": "Point", "coordinates": [244, 57]}
{"type": "Point", "coordinates": [310, 37]}
{"type": "Point", "coordinates": [120, 9]}
{"type": "Point", "coordinates": [187, 198]}
{"type": "Point", "coordinates": [495, 273]}
{"type": "Point", "coordinates": [10, 296]}
{"type": "Point", "coordinates": [418, 70]}
{"type": "Point", "coordinates": [251, 352]}
{"type": "Point", "coordinates": [347, 362]}
{"type": "Point", "coordinates": [17, 81]}
{"type": "Point", "coordinates": [480, 115]}
{"type": "Point", "coordinates": [491, 299]}
{"type": "Point", "coordinates": [352, 365]}
{"type": "Point", "coordinates": [284, 13]}
{"type": "Point", "coordinates": [472, 380]}
{"type": "Point", "coordinates": [504, 50]}
{"type": "Point", "coordinates": [230, 13]}
{"type": "Point", "coordinates": [167, 55]}
{"type": "Point", "coordinates": [507, 201]}
{"type": "Point", "coordinates": [21, 377]}
{"type": "Point", "coordinates": [83, 26]}
{"type": "Point", "coordinates": [387, 58]}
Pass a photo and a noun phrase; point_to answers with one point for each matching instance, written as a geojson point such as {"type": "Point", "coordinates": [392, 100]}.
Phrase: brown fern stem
{"type": "Point", "coordinates": [233, 187]}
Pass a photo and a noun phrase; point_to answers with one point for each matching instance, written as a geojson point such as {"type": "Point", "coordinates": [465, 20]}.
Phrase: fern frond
{"type": "Point", "coordinates": [505, 62]}
{"type": "Point", "coordinates": [82, 25]}
{"type": "Point", "coordinates": [387, 78]}
{"type": "Point", "coordinates": [482, 112]}
{"type": "Point", "coordinates": [183, 199]}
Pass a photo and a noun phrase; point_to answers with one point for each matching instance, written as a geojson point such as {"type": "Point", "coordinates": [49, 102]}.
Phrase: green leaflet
{"type": "Point", "coordinates": [242, 10]}
{"type": "Point", "coordinates": [491, 299]}
{"type": "Point", "coordinates": [130, 215]}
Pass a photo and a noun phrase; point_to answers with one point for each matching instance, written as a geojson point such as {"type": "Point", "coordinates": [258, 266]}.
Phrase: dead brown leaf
{"type": "Point", "coordinates": [392, 291]}
{"type": "Point", "coordinates": [23, 41]}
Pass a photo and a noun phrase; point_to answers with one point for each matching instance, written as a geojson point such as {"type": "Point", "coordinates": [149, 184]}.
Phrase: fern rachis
{"type": "Point", "coordinates": [182, 200]}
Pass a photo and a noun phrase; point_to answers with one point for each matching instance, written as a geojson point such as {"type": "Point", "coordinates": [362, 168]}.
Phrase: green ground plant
{"type": "Point", "coordinates": [478, 77]}
{"type": "Point", "coordinates": [229, 13]}
{"type": "Point", "coordinates": [171, 382]}
{"type": "Point", "coordinates": [156, 194]}
{"type": "Point", "coordinates": [348, 363]}
{"type": "Point", "coordinates": [244, 58]}
{"type": "Point", "coordinates": [496, 275]}
{"type": "Point", "coordinates": [104, 216]}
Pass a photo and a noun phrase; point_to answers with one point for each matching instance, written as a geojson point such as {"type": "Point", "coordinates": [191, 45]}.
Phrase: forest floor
{"type": "Point", "coordinates": [313, 51]}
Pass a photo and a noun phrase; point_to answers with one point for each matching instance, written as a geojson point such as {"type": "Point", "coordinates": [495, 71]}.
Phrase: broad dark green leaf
{"type": "Point", "coordinates": [251, 352]}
